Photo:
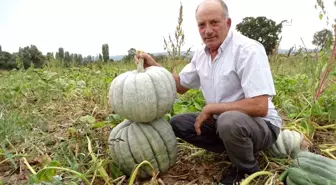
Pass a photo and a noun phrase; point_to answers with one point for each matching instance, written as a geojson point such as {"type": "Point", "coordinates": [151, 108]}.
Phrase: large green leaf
{"type": "Point", "coordinates": [47, 175]}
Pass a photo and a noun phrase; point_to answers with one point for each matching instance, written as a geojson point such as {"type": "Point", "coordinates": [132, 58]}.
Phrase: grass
{"type": "Point", "coordinates": [60, 117]}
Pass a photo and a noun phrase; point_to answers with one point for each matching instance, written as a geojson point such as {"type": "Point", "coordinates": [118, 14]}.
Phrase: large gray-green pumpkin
{"type": "Point", "coordinates": [143, 95]}
{"type": "Point", "coordinates": [131, 143]}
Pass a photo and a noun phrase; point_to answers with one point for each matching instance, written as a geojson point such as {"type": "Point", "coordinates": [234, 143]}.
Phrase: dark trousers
{"type": "Point", "coordinates": [240, 135]}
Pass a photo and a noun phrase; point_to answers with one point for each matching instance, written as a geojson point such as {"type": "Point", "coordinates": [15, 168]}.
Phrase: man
{"type": "Point", "coordinates": [235, 77]}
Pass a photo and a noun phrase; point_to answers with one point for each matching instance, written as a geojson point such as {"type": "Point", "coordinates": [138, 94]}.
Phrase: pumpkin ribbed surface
{"type": "Point", "coordinates": [310, 168]}
{"type": "Point", "coordinates": [131, 143]}
{"type": "Point", "coordinates": [143, 96]}
{"type": "Point", "coordinates": [287, 144]}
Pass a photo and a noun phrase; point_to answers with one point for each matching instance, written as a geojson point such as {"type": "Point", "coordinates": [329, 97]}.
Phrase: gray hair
{"type": "Point", "coordinates": [224, 7]}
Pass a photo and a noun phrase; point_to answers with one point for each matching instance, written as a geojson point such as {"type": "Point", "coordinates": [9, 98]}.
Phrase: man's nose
{"type": "Point", "coordinates": [208, 30]}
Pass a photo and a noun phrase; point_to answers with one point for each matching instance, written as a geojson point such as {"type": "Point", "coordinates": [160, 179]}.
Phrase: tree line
{"type": "Point", "coordinates": [264, 30]}
{"type": "Point", "coordinates": [31, 56]}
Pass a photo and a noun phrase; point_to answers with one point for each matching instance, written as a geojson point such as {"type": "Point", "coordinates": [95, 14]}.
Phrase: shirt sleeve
{"type": "Point", "coordinates": [188, 76]}
{"type": "Point", "coordinates": [254, 71]}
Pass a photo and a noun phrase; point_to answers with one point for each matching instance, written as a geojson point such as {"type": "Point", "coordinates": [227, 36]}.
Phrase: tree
{"type": "Point", "coordinates": [105, 51]}
{"type": "Point", "coordinates": [261, 29]}
{"type": "Point", "coordinates": [323, 38]}
{"type": "Point", "coordinates": [100, 57]}
{"type": "Point", "coordinates": [7, 61]}
{"type": "Point", "coordinates": [0, 49]}
{"type": "Point", "coordinates": [50, 56]}
{"type": "Point", "coordinates": [80, 59]}
{"type": "Point", "coordinates": [130, 55]}
{"type": "Point", "coordinates": [60, 55]}
{"type": "Point", "coordinates": [67, 58]}
{"type": "Point", "coordinates": [31, 55]}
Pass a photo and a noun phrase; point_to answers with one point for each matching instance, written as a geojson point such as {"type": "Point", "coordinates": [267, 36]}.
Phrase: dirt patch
{"type": "Point", "coordinates": [322, 139]}
{"type": "Point", "coordinates": [195, 170]}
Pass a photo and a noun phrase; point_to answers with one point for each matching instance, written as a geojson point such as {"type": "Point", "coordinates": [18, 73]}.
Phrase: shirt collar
{"type": "Point", "coordinates": [223, 45]}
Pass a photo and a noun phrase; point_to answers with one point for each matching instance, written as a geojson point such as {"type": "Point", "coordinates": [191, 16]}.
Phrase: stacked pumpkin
{"type": "Point", "coordinates": [143, 97]}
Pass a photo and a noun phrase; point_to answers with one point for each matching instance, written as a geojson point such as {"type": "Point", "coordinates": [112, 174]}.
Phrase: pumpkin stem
{"type": "Point", "coordinates": [140, 66]}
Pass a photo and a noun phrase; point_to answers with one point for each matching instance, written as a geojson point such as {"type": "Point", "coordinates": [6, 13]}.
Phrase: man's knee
{"type": "Point", "coordinates": [176, 121]}
{"type": "Point", "coordinates": [232, 122]}
{"type": "Point", "coordinates": [180, 123]}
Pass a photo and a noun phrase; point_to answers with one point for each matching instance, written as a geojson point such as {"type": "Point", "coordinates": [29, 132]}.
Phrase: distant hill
{"type": "Point", "coordinates": [116, 57]}
{"type": "Point", "coordinates": [119, 57]}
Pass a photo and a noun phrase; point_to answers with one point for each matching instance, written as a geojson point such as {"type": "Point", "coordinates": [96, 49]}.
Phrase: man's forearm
{"type": "Point", "coordinates": [256, 107]}
{"type": "Point", "coordinates": [179, 88]}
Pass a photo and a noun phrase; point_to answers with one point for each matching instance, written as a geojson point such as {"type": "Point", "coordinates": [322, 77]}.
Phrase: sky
{"type": "Point", "coordinates": [82, 26]}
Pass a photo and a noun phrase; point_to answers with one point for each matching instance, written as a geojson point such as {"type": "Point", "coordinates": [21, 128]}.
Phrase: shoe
{"type": "Point", "coordinates": [232, 177]}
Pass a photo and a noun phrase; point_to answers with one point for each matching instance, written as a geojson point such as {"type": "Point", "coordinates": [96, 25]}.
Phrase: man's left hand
{"type": "Point", "coordinates": [203, 117]}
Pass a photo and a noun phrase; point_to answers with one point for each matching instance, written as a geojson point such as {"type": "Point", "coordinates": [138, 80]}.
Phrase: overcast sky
{"type": "Point", "coordinates": [82, 26]}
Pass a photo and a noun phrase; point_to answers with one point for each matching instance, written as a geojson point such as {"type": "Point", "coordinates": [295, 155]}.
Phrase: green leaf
{"type": "Point", "coordinates": [321, 16]}
{"type": "Point", "coordinates": [113, 170]}
{"type": "Point", "coordinates": [116, 117]}
{"type": "Point", "coordinates": [180, 108]}
{"type": "Point", "coordinates": [48, 75]}
{"type": "Point", "coordinates": [88, 119]}
{"type": "Point", "coordinates": [99, 124]}
{"type": "Point", "coordinates": [168, 117]}
{"type": "Point", "coordinates": [47, 174]}
{"type": "Point", "coordinates": [8, 155]}
{"type": "Point", "coordinates": [197, 106]}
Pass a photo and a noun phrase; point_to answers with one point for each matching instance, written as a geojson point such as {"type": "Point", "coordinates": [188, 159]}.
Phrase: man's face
{"type": "Point", "coordinates": [212, 25]}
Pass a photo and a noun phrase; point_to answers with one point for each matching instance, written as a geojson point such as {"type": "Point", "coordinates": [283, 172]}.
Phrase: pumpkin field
{"type": "Point", "coordinates": [55, 123]}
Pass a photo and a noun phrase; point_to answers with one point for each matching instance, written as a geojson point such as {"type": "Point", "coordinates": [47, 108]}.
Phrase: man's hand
{"type": "Point", "coordinates": [203, 117]}
{"type": "Point", "coordinates": [148, 60]}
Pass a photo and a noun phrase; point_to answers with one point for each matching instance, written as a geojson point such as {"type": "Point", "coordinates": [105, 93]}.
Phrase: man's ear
{"type": "Point", "coordinates": [228, 22]}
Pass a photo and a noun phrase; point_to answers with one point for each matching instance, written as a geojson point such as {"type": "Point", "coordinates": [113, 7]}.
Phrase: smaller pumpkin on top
{"type": "Point", "coordinates": [143, 95]}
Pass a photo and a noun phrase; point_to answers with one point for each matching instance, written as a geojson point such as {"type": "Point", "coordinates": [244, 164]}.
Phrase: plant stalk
{"type": "Point", "coordinates": [254, 175]}
{"type": "Point", "coordinates": [81, 176]}
{"type": "Point", "coordinates": [135, 172]}
{"type": "Point", "coordinates": [140, 66]}
{"type": "Point", "coordinates": [101, 170]}
{"type": "Point", "coordinates": [327, 70]}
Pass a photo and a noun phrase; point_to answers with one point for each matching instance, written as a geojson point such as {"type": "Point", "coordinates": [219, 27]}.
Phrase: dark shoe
{"type": "Point", "coordinates": [231, 177]}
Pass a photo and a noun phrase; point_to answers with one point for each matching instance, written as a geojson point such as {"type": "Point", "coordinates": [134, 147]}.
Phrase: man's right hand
{"type": "Point", "coordinates": [148, 60]}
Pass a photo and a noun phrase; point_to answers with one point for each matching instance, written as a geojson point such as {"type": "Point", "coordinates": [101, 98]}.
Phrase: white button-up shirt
{"type": "Point", "coordinates": [240, 70]}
